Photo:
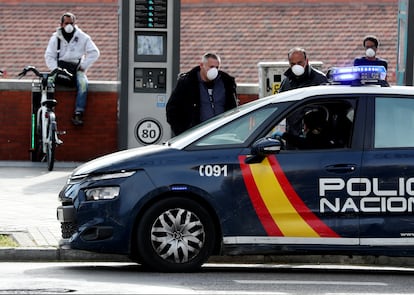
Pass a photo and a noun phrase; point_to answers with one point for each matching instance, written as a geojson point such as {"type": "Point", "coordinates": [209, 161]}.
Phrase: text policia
{"type": "Point", "coordinates": [365, 195]}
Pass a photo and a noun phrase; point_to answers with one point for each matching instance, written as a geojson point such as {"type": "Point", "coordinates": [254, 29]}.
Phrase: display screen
{"type": "Point", "coordinates": [150, 46]}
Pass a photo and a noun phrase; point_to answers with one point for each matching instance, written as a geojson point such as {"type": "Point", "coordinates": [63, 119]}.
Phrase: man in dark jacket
{"type": "Point", "coordinates": [200, 94]}
{"type": "Point", "coordinates": [370, 44]}
{"type": "Point", "coordinates": [301, 73]}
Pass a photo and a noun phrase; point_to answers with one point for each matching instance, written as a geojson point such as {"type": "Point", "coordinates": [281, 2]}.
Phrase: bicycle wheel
{"type": "Point", "coordinates": [51, 144]}
{"type": "Point", "coordinates": [38, 148]}
{"type": "Point", "coordinates": [37, 154]}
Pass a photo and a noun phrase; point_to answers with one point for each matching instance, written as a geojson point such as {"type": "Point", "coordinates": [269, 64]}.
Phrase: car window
{"type": "Point", "coordinates": [237, 131]}
{"type": "Point", "coordinates": [394, 122]}
{"type": "Point", "coordinates": [317, 125]}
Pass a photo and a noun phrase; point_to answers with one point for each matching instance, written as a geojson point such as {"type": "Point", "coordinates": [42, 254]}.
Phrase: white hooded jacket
{"type": "Point", "coordinates": [81, 47]}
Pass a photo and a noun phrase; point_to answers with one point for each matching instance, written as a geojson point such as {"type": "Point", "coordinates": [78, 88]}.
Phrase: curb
{"type": "Point", "coordinates": [53, 254]}
{"type": "Point", "coordinates": [34, 249]}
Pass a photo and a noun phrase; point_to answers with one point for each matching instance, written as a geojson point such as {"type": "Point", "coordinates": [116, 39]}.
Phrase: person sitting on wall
{"type": "Point", "coordinates": [71, 46]}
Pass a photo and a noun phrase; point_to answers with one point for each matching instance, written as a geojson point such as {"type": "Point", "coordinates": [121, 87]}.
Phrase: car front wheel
{"type": "Point", "coordinates": [175, 235]}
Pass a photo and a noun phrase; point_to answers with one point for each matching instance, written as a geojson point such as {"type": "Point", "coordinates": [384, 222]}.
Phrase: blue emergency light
{"type": "Point", "coordinates": [358, 75]}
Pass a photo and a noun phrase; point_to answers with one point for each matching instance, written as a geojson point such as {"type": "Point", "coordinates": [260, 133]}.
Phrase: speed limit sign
{"type": "Point", "coordinates": [148, 131]}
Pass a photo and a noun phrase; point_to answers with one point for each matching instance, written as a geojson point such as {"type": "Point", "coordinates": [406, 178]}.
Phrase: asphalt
{"type": "Point", "coordinates": [29, 198]}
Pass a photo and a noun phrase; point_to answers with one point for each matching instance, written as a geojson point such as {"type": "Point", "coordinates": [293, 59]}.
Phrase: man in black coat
{"type": "Point", "coordinates": [200, 94]}
{"type": "Point", "coordinates": [301, 73]}
{"type": "Point", "coordinates": [370, 44]}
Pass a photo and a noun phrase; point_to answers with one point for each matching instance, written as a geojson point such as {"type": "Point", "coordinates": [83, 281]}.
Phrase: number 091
{"type": "Point", "coordinates": [212, 170]}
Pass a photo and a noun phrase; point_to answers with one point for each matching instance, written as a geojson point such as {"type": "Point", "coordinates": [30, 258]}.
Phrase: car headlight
{"type": "Point", "coordinates": [102, 193]}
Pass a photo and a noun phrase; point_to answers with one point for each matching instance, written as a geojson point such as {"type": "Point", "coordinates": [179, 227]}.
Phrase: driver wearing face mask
{"type": "Point", "coordinates": [301, 73]}
{"type": "Point", "coordinates": [202, 93]}
{"type": "Point", "coordinates": [370, 44]}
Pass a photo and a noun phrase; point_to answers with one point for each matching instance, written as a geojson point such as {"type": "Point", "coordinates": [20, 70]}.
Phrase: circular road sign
{"type": "Point", "coordinates": [148, 131]}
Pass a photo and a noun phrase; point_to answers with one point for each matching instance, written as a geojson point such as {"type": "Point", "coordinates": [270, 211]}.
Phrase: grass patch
{"type": "Point", "coordinates": [7, 241]}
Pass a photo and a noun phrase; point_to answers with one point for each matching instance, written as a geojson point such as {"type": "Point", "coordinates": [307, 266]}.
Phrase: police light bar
{"type": "Point", "coordinates": [358, 75]}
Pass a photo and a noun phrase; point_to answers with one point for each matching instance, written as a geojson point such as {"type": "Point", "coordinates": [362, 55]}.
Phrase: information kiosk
{"type": "Point", "coordinates": [149, 55]}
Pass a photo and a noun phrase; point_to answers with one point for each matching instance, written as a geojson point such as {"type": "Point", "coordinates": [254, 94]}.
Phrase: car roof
{"type": "Point", "coordinates": [293, 95]}
{"type": "Point", "coordinates": [301, 93]}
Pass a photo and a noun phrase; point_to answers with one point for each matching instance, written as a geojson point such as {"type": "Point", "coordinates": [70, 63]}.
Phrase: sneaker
{"type": "Point", "coordinates": [77, 119]}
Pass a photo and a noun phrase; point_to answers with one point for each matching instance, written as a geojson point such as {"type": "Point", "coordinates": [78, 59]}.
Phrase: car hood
{"type": "Point", "coordinates": [126, 160]}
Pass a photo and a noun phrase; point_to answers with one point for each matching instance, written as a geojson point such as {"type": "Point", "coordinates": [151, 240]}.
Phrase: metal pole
{"type": "Point", "coordinates": [123, 74]}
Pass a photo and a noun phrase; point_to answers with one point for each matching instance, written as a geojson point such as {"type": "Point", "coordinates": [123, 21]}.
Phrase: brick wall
{"type": "Point", "coordinates": [98, 136]}
{"type": "Point", "coordinates": [245, 98]}
{"type": "Point", "coordinates": [15, 125]}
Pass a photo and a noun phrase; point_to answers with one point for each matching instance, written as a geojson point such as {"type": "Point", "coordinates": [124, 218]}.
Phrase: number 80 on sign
{"type": "Point", "coordinates": [148, 131]}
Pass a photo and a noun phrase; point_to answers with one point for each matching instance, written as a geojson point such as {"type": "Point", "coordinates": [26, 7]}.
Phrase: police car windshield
{"type": "Point", "coordinates": [237, 131]}
{"type": "Point", "coordinates": [212, 124]}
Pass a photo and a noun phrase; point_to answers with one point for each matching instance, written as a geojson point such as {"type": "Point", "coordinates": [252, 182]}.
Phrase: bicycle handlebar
{"type": "Point", "coordinates": [43, 75]}
{"type": "Point", "coordinates": [28, 69]}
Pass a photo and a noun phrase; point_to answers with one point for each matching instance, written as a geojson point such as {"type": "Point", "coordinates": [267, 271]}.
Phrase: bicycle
{"type": "Point", "coordinates": [46, 125]}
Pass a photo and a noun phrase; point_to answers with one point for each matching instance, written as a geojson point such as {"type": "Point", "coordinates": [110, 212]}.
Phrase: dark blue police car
{"type": "Point", "coordinates": [247, 182]}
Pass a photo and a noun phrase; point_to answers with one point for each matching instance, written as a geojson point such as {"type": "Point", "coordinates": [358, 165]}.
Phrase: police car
{"type": "Point", "coordinates": [235, 186]}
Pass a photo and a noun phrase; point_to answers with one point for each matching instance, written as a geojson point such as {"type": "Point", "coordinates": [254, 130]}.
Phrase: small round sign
{"type": "Point", "coordinates": [148, 131]}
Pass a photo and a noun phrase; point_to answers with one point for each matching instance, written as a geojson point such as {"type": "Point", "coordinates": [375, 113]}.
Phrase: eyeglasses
{"type": "Point", "coordinates": [65, 23]}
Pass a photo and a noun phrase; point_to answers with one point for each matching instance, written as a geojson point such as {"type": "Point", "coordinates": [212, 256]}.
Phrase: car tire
{"type": "Point", "coordinates": [175, 235]}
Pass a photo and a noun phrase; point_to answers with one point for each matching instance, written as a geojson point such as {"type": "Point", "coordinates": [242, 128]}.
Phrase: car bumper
{"type": "Point", "coordinates": [65, 213]}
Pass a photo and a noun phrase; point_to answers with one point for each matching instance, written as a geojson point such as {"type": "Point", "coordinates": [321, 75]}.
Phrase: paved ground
{"type": "Point", "coordinates": [28, 198]}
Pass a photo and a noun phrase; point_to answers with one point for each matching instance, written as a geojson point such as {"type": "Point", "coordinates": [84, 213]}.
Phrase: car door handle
{"type": "Point", "coordinates": [341, 168]}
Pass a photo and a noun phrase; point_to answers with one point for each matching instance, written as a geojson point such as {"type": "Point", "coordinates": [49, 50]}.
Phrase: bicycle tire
{"type": "Point", "coordinates": [51, 144]}
{"type": "Point", "coordinates": [38, 149]}
{"type": "Point", "coordinates": [37, 152]}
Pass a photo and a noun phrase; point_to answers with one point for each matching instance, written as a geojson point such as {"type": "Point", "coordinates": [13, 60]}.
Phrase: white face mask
{"type": "Point", "coordinates": [370, 52]}
{"type": "Point", "coordinates": [212, 74]}
{"type": "Point", "coordinates": [298, 70]}
{"type": "Point", "coordinates": [69, 28]}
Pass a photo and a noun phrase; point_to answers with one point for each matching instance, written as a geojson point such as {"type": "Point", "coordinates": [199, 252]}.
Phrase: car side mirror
{"type": "Point", "coordinates": [263, 147]}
